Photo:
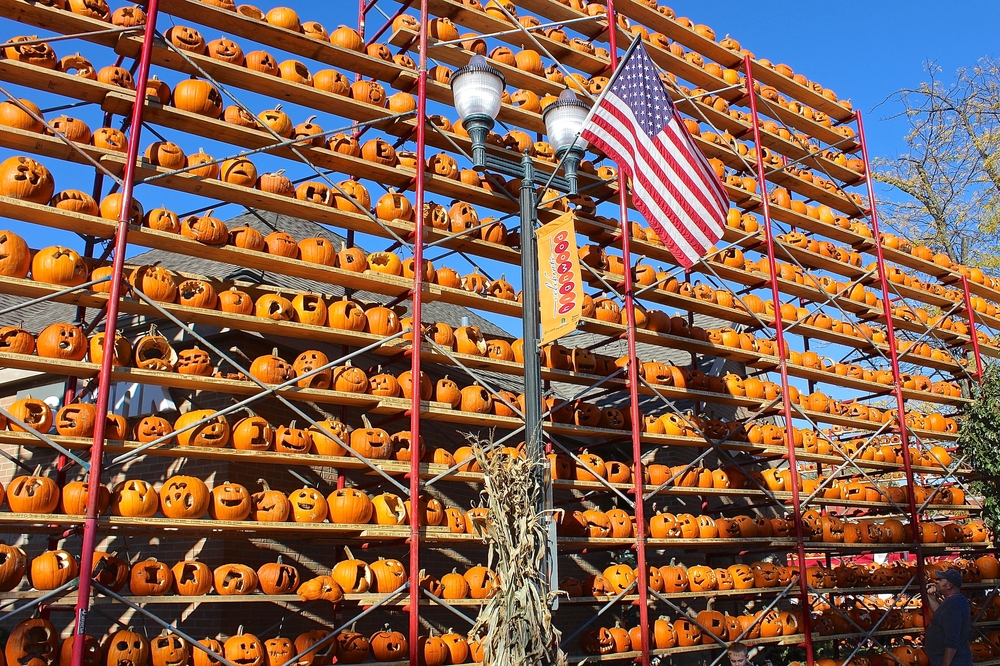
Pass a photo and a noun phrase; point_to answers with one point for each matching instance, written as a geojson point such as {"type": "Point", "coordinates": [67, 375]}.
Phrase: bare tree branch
{"type": "Point", "coordinates": [948, 183]}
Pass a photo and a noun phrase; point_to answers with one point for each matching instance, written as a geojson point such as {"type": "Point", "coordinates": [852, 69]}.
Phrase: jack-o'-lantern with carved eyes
{"type": "Point", "coordinates": [743, 577]}
{"type": "Point", "coordinates": [765, 574]}
{"type": "Point", "coordinates": [62, 341]}
{"type": "Point", "coordinates": [184, 497]}
{"type": "Point", "coordinates": [134, 498]}
{"type": "Point", "coordinates": [151, 428]}
{"type": "Point", "coordinates": [126, 648]}
{"type": "Point", "coordinates": [34, 642]}
{"type": "Point", "coordinates": [230, 501]}
{"type": "Point", "coordinates": [372, 443]}
{"type": "Point", "coordinates": [702, 578]}
{"type": "Point", "coordinates": [289, 439]}
{"type": "Point", "coordinates": [194, 361]}
{"type": "Point", "coordinates": [309, 363]}
{"type": "Point", "coordinates": [168, 650]}
{"type": "Point", "coordinates": [212, 431]}
{"type": "Point", "coordinates": [787, 575]}
{"type": "Point", "coordinates": [675, 579]}
{"type": "Point", "coordinates": [279, 650]}
{"type": "Point", "coordinates": [244, 650]}
{"type": "Point", "coordinates": [91, 651]}
{"type": "Point", "coordinates": [724, 580]}
{"type": "Point", "coordinates": [308, 506]}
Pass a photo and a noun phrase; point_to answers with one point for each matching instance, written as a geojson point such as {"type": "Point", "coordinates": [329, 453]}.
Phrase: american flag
{"type": "Point", "coordinates": [636, 124]}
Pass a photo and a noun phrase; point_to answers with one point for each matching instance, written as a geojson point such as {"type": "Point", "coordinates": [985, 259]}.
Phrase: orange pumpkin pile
{"type": "Point", "coordinates": [37, 636]}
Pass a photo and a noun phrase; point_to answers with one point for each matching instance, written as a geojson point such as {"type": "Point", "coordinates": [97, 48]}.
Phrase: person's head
{"type": "Point", "coordinates": [738, 654]}
{"type": "Point", "coordinates": [948, 581]}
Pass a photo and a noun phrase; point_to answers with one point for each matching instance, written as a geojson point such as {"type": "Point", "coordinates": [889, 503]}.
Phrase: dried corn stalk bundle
{"type": "Point", "coordinates": [516, 623]}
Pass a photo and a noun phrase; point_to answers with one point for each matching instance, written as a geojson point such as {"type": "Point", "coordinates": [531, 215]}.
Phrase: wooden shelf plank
{"type": "Point", "coordinates": [203, 316]}
{"type": "Point", "coordinates": [258, 199]}
{"type": "Point", "coordinates": [657, 22]}
{"type": "Point", "coordinates": [395, 287]}
{"type": "Point", "coordinates": [279, 89]}
{"type": "Point", "coordinates": [83, 369]}
{"type": "Point", "coordinates": [234, 24]}
{"type": "Point", "coordinates": [145, 237]}
{"type": "Point", "coordinates": [47, 80]}
{"type": "Point", "coordinates": [50, 146]}
{"type": "Point", "coordinates": [295, 93]}
{"type": "Point", "coordinates": [61, 22]}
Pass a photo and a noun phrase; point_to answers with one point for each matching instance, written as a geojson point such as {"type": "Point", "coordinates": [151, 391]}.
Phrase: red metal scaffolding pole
{"type": "Point", "coordinates": [642, 570]}
{"type": "Point", "coordinates": [110, 328]}
{"type": "Point", "coordinates": [415, 383]}
{"type": "Point", "coordinates": [782, 350]}
{"type": "Point", "coordinates": [890, 332]}
{"type": "Point", "coordinates": [972, 327]}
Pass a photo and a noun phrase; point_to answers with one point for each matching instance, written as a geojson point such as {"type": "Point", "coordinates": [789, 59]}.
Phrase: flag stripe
{"type": "Point", "coordinates": [659, 157]}
{"type": "Point", "coordinates": [648, 202]}
{"type": "Point", "coordinates": [673, 185]}
{"type": "Point", "coordinates": [688, 222]}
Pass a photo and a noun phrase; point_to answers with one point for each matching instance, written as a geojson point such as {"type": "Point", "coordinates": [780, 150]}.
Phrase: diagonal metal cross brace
{"type": "Point", "coordinates": [604, 482]}
{"type": "Point", "coordinates": [298, 153]}
{"type": "Point", "coordinates": [265, 391]}
{"type": "Point", "coordinates": [45, 438]}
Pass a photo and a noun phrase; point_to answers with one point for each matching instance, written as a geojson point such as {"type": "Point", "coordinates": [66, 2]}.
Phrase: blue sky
{"type": "Point", "coordinates": [862, 50]}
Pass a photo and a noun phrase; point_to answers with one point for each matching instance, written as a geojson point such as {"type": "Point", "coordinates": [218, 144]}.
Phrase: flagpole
{"type": "Point", "coordinates": [614, 77]}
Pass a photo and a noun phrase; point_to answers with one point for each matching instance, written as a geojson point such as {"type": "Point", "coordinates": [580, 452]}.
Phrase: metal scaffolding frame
{"type": "Point", "coordinates": [899, 330]}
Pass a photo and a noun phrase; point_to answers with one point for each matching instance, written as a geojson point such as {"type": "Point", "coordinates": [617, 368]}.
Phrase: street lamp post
{"type": "Point", "coordinates": [477, 89]}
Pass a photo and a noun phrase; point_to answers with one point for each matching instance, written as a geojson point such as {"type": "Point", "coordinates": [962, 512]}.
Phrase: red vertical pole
{"type": "Point", "coordinates": [418, 277]}
{"type": "Point", "coordinates": [642, 569]}
{"type": "Point", "coordinates": [890, 332]}
{"type": "Point", "coordinates": [110, 326]}
{"type": "Point", "coordinates": [972, 327]}
{"type": "Point", "coordinates": [779, 332]}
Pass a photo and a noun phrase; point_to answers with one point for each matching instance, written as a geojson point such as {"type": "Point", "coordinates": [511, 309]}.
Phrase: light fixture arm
{"type": "Point", "coordinates": [478, 127]}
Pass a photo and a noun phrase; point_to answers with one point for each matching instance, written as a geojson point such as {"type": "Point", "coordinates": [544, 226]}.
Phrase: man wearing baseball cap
{"type": "Point", "coordinates": [947, 637]}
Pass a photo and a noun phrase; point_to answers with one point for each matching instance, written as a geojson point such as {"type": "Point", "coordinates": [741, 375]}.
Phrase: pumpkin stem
{"type": "Point", "coordinates": [364, 419]}
{"type": "Point", "coordinates": [266, 487]}
{"type": "Point", "coordinates": [322, 412]}
{"type": "Point", "coordinates": [309, 120]}
{"type": "Point", "coordinates": [237, 350]}
{"type": "Point", "coordinates": [38, 468]}
{"type": "Point", "coordinates": [350, 555]}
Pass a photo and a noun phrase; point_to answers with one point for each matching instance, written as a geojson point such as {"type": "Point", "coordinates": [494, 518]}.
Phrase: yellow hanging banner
{"type": "Point", "coordinates": [561, 285]}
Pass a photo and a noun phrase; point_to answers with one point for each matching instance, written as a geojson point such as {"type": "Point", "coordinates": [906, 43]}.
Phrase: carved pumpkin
{"type": "Point", "coordinates": [33, 642]}
{"type": "Point", "coordinates": [230, 501]}
{"type": "Point", "coordinates": [25, 179]}
{"type": "Point", "coordinates": [184, 497]}
{"type": "Point", "coordinates": [134, 498]}
{"type": "Point", "coordinates": [150, 578]}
